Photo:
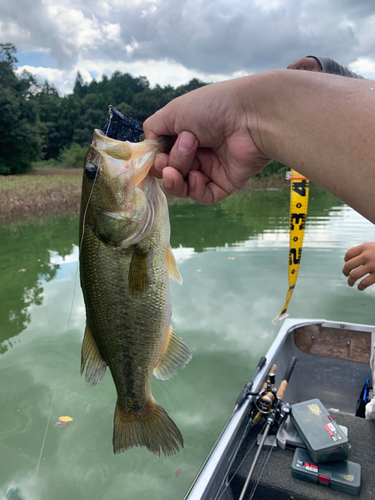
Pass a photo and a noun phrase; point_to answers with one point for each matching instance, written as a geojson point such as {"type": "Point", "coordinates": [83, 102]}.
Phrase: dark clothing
{"type": "Point", "coordinates": [330, 66]}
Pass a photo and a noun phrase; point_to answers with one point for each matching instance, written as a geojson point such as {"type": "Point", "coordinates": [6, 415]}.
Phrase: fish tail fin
{"type": "Point", "coordinates": [150, 427]}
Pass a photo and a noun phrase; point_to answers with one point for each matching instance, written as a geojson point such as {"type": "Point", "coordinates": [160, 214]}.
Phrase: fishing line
{"type": "Point", "coordinates": [92, 189]}
{"type": "Point", "coordinates": [69, 319]}
{"type": "Point", "coordinates": [239, 466]}
{"type": "Point", "coordinates": [260, 475]}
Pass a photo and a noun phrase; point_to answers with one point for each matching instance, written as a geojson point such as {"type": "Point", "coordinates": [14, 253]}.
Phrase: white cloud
{"type": "Point", "coordinates": [76, 31]}
{"type": "Point", "coordinates": [130, 47]}
{"type": "Point", "coordinates": [11, 30]}
{"type": "Point", "coordinates": [366, 34]}
{"type": "Point", "coordinates": [113, 32]}
{"type": "Point", "coordinates": [56, 258]}
{"type": "Point", "coordinates": [149, 11]}
{"type": "Point", "coordinates": [162, 72]}
{"type": "Point", "coordinates": [182, 253]}
{"type": "Point", "coordinates": [171, 42]}
{"type": "Point", "coordinates": [364, 66]}
{"type": "Point", "coordinates": [63, 80]}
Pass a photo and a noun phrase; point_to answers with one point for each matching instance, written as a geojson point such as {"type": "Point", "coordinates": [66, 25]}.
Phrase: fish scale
{"type": "Point", "coordinates": [128, 324]}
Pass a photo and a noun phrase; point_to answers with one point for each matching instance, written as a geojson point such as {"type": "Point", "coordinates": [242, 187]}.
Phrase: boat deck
{"type": "Point", "coordinates": [276, 481]}
{"type": "Point", "coordinates": [332, 366]}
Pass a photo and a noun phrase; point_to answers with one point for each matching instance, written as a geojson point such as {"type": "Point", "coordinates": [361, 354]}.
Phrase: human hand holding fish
{"type": "Point", "coordinates": [214, 155]}
{"type": "Point", "coordinates": [316, 123]}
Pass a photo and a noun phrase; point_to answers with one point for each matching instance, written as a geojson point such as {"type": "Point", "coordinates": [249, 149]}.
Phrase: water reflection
{"type": "Point", "coordinates": [243, 216]}
{"type": "Point", "coordinates": [32, 255]}
{"type": "Point", "coordinates": [25, 266]}
{"type": "Point", "coordinates": [14, 494]}
{"type": "Point", "coordinates": [233, 258]}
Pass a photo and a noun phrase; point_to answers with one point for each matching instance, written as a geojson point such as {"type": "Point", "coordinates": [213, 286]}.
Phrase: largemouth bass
{"type": "Point", "coordinates": [125, 265]}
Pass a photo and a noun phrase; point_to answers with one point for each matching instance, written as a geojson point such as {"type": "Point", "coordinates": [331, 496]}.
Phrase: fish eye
{"type": "Point", "coordinates": [91, 171]}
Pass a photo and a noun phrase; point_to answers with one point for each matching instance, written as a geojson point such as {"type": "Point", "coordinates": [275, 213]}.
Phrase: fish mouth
{"type": "Point", "coordinates": [133, 159]}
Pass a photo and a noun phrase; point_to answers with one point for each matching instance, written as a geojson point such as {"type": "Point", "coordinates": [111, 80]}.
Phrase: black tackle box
{"type": "Point", "coordinates": [344, 476]}
{"type": "Point", "coordinates": [324, 439]}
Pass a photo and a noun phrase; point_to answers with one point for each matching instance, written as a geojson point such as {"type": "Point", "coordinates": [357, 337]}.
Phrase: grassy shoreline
{"type": "Point", "coordinates": [39, 194]}
{"type": "Point", "coordinates": [56, 193]}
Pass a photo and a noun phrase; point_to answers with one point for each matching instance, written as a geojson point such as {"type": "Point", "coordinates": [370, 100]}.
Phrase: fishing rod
{"type": "Point", "coordinates": [269, 404]}
{"type": "Point", "coordinates": [250, 423]}
{"type": "Point", "coordinates": [247, 389]}
{"type": "Point", "coordinates": [265, 398]}
{"type": "Point", "coordinates": [241, 398]}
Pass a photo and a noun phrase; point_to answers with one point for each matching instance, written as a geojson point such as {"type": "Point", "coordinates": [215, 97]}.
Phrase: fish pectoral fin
{"type": "Point", "coordinates": [140, 271]}
{"type": "Point", "coordinates": [173, 271]}
{"type": "Point", "coordinates": [91, 359]}
{"type": "Point", "coordinates": [176, 353]}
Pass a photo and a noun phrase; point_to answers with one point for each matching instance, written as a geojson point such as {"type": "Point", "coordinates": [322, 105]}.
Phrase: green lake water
{"type": "Point", "coordinates": [233, 258]}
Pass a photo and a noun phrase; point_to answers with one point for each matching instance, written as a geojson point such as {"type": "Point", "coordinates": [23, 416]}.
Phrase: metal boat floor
{"type": "Point", "coordinates": [276, 481]}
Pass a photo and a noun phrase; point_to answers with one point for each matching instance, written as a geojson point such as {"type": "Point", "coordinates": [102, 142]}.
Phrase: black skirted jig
{"type": "Point", "coordinates": [121, 127]}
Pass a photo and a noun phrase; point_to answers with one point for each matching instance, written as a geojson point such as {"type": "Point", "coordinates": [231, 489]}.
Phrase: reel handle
{"type": "Point", "coordinates": [271, 370]}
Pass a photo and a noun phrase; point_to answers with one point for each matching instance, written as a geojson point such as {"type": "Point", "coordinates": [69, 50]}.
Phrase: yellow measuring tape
{"type": "Point", "coordinates": [299, 199]}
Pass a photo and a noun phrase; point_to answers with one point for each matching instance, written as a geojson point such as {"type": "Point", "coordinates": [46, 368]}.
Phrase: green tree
{"type": "Point", "coordinates": [80, 88]}
{"type": "Point", "coordinates": [150, 100]}
{"type": "Point", "coordinates": [90, 119]}
{"type": "Point", "coordinates": [48, 103]}
{"type": "Point", "coordinates": [192, 85]}
{"type": "Point", "coordinates": [73, 156]}
{"type": "Point", "coordinates": [37, 123]}
{"type": "Point", "coordinates": [70, 117]}
{"type": "Point", "coordinates": [20, 141]}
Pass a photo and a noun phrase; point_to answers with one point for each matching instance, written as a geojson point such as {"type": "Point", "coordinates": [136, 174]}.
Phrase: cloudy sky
{"type": "Point", "coordinates": [173, 41]}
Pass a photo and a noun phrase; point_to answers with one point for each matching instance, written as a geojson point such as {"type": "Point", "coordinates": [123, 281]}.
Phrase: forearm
{"type": "Point", "coordinates": [321, 125]}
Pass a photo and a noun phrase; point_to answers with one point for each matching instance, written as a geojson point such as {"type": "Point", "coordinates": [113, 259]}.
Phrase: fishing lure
{"type": "Point", "coordinates": [121, 127]}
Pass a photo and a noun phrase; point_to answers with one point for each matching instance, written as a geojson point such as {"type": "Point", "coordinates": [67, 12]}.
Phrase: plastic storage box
{"type": "Point", "coordinates": [324, 439]}
{"type": "Point", "coordinates": [288, 437]}
{"type": "Point", "coordinates": [344, 476]}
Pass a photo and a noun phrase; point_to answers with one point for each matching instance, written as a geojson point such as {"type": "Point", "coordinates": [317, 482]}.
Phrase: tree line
{"type": "Point", "coordinates": [37, 124]}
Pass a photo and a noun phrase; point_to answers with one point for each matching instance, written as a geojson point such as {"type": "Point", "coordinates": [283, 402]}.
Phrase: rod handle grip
{"type": "Point", "coordinates": [271, 370]}
{"type": "Point", "coordinates": [284, 384]}
{"type": "Point", "coordinates": [290, 368]}
{"type": "Point", "coordinates": [261, 363]}
{"type": "Point", "coordinates": [281, 390]}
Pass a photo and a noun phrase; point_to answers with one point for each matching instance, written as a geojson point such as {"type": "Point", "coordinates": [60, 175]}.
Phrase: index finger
{"type": "Point", "coordinates": [160, 123]}
{"type": "Point", "coordinates": [352, 264]}
{"type": "Point", "coordinates": [353, 252]}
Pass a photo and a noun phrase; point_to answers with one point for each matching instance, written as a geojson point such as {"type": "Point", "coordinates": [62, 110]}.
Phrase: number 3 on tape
{"type": "Point", "coordinates": [299, 198]}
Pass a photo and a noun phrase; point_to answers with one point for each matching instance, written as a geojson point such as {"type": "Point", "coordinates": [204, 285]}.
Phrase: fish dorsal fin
{"type": "Point", "coordinates": [176, 353]}
{"type": "Point", "coordinates": [140, 271]}
{"type": "Point", "coordinates": [91, 359]}
{"type": "Point", "coordinates": [173, 271]}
